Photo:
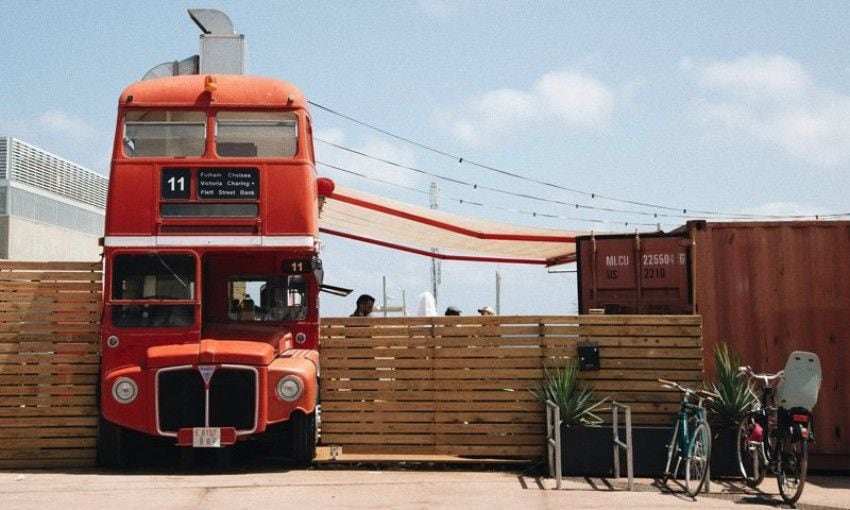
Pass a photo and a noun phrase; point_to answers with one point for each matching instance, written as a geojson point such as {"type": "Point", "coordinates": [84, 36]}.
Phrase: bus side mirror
{"type": "Point", "coordinates": [320, 274]}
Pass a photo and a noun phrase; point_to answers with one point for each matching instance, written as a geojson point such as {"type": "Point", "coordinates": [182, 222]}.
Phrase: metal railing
{"type": "Point", "coordinates": [620, 445]}
{"type": "Point", "coordinates": [553, 440]}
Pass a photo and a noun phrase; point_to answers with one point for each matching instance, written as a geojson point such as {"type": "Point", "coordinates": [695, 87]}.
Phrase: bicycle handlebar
{"type": "Point", "coordinates": [707, 394]}
{"type": "Point", "coordinates": [767, 379]}
{"type": "Point", "coordinates": [688, 391]}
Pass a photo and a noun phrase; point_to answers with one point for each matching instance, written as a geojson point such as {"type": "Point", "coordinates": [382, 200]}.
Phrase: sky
{"type": "Point", "coordinates": [698, 109]}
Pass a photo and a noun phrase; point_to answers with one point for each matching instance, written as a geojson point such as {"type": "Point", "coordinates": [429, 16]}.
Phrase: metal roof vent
{"type": "Point", "coordinates": [212, 21]}
{"type": "Point", "coordinates": [175, 68]}
{"type": "Point", "coordinates": [222, 50]}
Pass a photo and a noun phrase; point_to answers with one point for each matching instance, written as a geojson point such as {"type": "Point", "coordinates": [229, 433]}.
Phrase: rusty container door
{"type": "Point", "coordinates": [770, 288]}
{"type": "Point", "coordinates": [634, 274]}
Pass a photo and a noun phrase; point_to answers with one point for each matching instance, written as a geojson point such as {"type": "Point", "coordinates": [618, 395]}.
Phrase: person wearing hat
{"type": "Point", "coordinates": [452, 310]}
{"type": "Point", "coordinates": [486, 311]}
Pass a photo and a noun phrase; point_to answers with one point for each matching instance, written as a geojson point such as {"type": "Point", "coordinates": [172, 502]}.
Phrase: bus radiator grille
{"type": "Point", "coordinates": [232, 399]}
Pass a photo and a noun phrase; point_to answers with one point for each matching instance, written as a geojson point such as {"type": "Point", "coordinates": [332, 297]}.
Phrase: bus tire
{"type": "Point", "coordinates": [111, 445]}
{"type": "Point", "coordinates": [302, 437]}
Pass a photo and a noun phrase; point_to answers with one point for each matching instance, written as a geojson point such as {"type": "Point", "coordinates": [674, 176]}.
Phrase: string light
{"type": "Point", "coordinates": [462, 160]}
{"type": "Point", "coordinates": [499, 190]}
{"type": "Point", "coordinates": [464, 201]}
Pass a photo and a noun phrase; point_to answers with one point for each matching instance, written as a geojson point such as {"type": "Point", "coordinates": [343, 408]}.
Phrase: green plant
{"type": "Point", "coordinates": [736, 394]}
{"type": "Point", "coordinates": [575, 400]}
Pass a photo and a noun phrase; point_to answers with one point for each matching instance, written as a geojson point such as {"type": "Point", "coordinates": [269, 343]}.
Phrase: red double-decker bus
{"type": "Point", "coordinates": [210, 323]}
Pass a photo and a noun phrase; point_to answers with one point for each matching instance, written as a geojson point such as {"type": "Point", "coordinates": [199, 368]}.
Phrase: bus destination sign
{"type": "Point", "coordinates": [228, 183]}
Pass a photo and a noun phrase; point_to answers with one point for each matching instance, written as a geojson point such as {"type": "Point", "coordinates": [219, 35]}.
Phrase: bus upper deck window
{"type": "Point", "coordinates": [256, 134]}
{"type": "Point", "coordinates": [164, 133]}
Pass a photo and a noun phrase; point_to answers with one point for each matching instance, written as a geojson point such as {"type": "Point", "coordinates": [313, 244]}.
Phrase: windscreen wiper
{"type": "Point", "coordinates": [186, 285]}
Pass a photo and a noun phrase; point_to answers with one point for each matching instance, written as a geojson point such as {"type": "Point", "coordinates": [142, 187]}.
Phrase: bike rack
{"type": "Point", "coordinates": [618, 444]}
{"type": "Point", "coordinates": [553, 440]}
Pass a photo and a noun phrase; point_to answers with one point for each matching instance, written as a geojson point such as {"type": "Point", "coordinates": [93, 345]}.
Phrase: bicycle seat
{"type": "Point", "coordinates": [800, 386]}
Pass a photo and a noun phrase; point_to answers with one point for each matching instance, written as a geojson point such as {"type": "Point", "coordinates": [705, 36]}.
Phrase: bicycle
{"type": "Point", "coordinates": [779, 435]}
{"type": "Point", "coordinates": [690, 439]}
{"type": "Point", "coordinates": [757, 431]}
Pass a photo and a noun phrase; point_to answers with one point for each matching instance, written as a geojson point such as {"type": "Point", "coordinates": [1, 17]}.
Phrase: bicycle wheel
{"type": "Point", "coordinates": [793, 463]}
{"type": "Point", "coordinates": [749, 451]}
{"type": "Point", "coordinates": [696, 465]}
{"type": "Point", "coordinates": [672, 451]}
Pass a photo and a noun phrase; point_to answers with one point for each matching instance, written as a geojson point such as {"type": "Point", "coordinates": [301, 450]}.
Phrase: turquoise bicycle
{"type": "Point", "coordinates": [690, 439]}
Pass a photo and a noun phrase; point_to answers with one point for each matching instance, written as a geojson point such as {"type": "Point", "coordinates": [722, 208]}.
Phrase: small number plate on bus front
{"type": "Point", "coordinates": [206, 437]}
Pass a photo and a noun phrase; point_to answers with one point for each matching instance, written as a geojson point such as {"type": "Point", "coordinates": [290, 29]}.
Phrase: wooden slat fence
{"type": "Point", "coordinates": [49, 361]}
{"type": "Point", "coordinates": [461, 385]}
{"type": "Point", "coordinates": [443, 385]}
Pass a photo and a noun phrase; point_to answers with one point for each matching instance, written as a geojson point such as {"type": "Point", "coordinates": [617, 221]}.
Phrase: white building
{"type": "Point", "coordinates": [50, 208]}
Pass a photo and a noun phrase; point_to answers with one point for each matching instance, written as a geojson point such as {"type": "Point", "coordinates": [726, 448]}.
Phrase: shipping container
{"type": "Point", "coordinates": [765, 288]}
{"type": "Point", "coordinates": [634, 274]}
{"type": "Point", "coordinates": [770, 288]}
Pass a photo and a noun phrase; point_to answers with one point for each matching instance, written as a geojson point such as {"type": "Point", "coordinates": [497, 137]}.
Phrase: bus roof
{"type": "Point", "coordinates": [231, 90]}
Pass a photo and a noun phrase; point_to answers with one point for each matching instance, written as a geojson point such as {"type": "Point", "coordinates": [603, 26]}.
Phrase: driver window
{"type": "Point", "coordinates": [152, 290]}
{"type": "Point", "coordinates": [153, 276]}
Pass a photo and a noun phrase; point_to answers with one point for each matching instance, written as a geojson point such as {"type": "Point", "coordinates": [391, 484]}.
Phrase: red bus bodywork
{"type": "Point", "coordinates": [200, 216]}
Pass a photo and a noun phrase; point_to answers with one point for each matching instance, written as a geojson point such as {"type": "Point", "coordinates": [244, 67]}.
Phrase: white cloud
{"type": "Point", "coordinates": [571, 98]}
{"type": "Point", "coordinates": [378, 149]}
{"type": "Point", "coordinates": [382, 149]}
{"type": "Point", "coordinates": [59, 122]}
{"type": "Point", "coordinates": [629, 91]}
{"type": "Point", "coordinates": [333, 135]}
{"type": "Point", "coordinates": [785, 210]}
{"type": "Point", "coordinates": [774, 100]}
{"type": "Point", "coordinates": [436, 8]}
{"type": "Point", "coordinates": [65, 135]}
{"type": "Point", "coordinates": [766, 77]}
{"type": "Point", "coordinates": [576, 98]}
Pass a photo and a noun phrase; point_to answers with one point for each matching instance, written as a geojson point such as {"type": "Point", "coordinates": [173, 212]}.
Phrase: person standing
{"type": "Point", "coordinates": [365, 303]}
{"type": "Point", "coordinates": [486, 311]}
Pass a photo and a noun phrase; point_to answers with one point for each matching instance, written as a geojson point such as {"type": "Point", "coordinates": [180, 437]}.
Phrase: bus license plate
{"type": "Point", "coordinates": [206, 437]}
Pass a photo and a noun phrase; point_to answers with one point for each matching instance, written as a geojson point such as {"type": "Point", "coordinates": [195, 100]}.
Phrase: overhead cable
{"type": "Point", "coordinates": [502, 191]}
{"type": "Point", "coordinates": [463, 201]}
{"type": "Point", "coordinates": [685, 212]}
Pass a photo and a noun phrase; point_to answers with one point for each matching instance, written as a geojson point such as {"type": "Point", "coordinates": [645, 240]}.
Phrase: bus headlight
{"type": "Point", "coordinates": [125, 390]}
{"type": "Point", "coordinates": [289, 388]}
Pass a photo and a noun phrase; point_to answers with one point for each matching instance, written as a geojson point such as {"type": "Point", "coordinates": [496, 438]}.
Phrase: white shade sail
{"type": "Point", "coordinates": [377, 220]}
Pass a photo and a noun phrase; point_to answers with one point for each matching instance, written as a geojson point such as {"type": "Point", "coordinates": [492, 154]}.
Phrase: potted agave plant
{"type": "Point", "coordinates": [585, 446]}
{"type": "Point", "coordinates": [736, 397]}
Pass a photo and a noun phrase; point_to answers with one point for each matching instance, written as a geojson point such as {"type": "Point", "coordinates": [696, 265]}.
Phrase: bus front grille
{"type": "Point", "coordinates": [182, 399]}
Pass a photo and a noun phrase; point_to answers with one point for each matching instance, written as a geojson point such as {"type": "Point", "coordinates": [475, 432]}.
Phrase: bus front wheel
{"type": "Point", "coordinates": [302, 438]}
{"type": "Point", "coordinates": [111, 444]}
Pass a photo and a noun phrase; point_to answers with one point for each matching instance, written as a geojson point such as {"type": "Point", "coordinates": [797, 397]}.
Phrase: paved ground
{"type": "Point", "coordinates": [368, 488]}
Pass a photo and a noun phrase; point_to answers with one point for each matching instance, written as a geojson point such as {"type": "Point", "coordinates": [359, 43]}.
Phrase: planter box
{"type": "Point", "coordinates": [724, 458]}
{"type": "Point", "coordinates": [649, 445]}
{"type": "Point", "coordinates": [588, 451]}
